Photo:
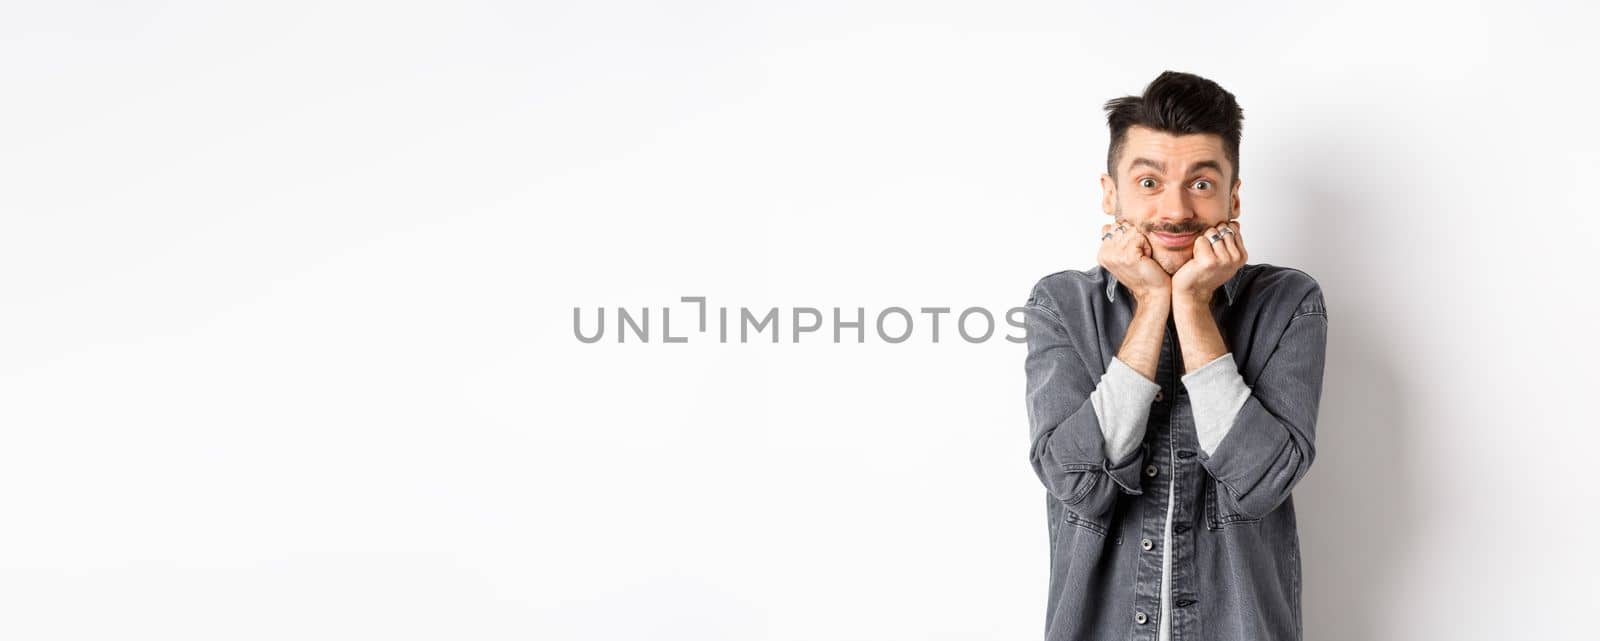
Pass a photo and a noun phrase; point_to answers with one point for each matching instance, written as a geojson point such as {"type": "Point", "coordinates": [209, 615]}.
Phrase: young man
{"type": "Point", "coordinates": [1172, 394]}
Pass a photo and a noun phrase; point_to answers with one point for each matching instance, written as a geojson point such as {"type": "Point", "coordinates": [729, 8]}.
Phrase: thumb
{"type": "Point", "coordinates": [1142, 242]}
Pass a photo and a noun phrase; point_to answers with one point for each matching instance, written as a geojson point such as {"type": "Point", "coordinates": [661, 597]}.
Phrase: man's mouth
{"type": "Point", "coordinates": [1174, 241]}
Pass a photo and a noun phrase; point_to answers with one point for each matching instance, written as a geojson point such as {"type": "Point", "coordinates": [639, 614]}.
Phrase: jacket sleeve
{"type": "Point", "coordinates": [1272, 440]}
{"type": "Point", "coordinates": [1068, 447]}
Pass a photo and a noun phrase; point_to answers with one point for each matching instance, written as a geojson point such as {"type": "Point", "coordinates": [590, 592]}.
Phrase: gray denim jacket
{"type": "Point", "coordinates": [1236, 553]}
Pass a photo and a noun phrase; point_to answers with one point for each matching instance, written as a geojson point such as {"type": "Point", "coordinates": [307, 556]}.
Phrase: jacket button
{"type": "Point", "coordinates": [1151, 470]}
{"type": "Point", "coordinates": [1159, 395]}
{"type": "Point", "coordinates": [1141, 618]}
{"type": "Point", "coordinates": [1147, 544]}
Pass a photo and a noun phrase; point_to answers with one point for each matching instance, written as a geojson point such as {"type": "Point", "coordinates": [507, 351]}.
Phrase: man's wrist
{"type": "Point", "coordinates": [1154, 296]}
{"type": "Point", "coordinates": [1201, 299]}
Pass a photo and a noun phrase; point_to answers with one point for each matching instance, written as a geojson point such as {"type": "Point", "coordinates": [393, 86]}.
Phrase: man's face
{"type": "Point", "coordinates": [1170, 188]}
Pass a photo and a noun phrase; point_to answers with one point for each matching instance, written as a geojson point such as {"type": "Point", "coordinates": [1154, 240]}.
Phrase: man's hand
{"type": "Point", "coordinates": [1212, 265]}
{"type": "Point", "coordinates": [1127, 254]}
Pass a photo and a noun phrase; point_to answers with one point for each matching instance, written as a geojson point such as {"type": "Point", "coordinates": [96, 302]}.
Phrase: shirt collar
{"type": "Point", "coordinates": [1229, 289]}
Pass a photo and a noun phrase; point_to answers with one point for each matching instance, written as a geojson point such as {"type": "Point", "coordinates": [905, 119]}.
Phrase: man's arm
{"type": "Point", "coordinates": [1268, 445]}
{"type": "Point", "coordinates": [1213, 392]}
{"type": "Point", "coordinates": [1122, 406]}
{"type": "Point", "coordinates": [1216, 392]}
{"type": "Point", "coordinates": [1123, 397]}
{"type": "Point", "coordinates": [1072, 453]}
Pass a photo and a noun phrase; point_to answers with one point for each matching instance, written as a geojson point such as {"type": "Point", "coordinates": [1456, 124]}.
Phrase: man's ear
{"type": "Point", "coordinates": [1233, 206]}
{"type": "Point", "coordinates": [1108, 199]}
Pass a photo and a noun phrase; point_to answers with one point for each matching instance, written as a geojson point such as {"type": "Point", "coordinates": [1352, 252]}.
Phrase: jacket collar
{"type": "Point", "coordinates": [1229, 289]}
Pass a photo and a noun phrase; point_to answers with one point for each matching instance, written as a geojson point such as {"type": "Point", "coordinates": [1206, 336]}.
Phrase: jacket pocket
{"type": "Point", "coordinates": [1081, 521]}
{"type": "Point", "coordinates": [1088, 477]}
{"type": "Point", "coordinates": [1221, 510]}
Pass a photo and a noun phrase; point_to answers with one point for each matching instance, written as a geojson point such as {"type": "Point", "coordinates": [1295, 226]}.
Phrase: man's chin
{"type": "Point", "coordinates": [1173, 261]}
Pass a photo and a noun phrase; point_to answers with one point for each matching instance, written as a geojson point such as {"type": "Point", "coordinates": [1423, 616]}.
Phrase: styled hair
{"type": "Point", "coordinates": [1177, 103]}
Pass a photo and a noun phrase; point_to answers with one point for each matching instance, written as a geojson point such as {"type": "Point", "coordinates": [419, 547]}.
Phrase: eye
{"type": "Point", "coordinates": [1147, 183]}
{"type": "Point", "coordinates": [1202, 184]}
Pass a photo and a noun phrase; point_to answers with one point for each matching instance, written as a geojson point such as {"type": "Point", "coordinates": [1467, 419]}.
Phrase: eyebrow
{"type": "Point", "coordinates": [1162, 167]}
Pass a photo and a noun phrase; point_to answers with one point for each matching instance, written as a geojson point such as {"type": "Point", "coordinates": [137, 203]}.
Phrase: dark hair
{"type": "Point", "coordinates": [1177, 103]}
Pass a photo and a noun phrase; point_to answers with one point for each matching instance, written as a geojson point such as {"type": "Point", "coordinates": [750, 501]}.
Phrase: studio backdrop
{"type": "Point", "coordinates": [697, 320]}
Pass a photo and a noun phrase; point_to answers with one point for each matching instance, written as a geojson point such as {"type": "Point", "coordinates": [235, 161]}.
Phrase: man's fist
{"type": "Point", "coordinates": [1127, 254]}
{"type": "Point", "coordinates": [1213, 262]}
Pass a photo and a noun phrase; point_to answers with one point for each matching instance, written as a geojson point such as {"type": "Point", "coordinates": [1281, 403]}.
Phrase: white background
{"type": "Point", "coordinates": [287, 346]}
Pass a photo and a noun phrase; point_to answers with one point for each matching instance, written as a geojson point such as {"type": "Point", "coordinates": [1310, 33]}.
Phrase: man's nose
{"type": "Point", "coordinates": [1175, 210]}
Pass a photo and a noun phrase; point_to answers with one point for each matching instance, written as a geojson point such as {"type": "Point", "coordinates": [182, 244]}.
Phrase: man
{"type": "Point", "coordinates": [1172, 394]}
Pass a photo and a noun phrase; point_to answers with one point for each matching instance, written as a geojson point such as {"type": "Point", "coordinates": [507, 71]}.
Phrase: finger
{"type": "Point", "coordinates": [1142, 242]}
{"type": "Point", "coordinates": [1225, 251]}
{"type": "Point", "coordinates": [1125, 240]}
{"type": "Point", "coordinates": [1202, 247]}
{"type": "Point", "coordinates": [1230, 237]}
{"type": "Point", "coordinates": [1133, 251]}
{"type": "Point", "coordinates": [1238, 242]}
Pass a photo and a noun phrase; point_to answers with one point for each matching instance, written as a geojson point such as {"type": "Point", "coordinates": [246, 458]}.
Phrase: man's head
{"type": "Point", "coordinates": [1173, 165]}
